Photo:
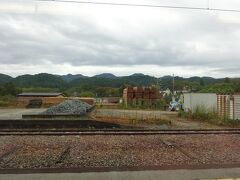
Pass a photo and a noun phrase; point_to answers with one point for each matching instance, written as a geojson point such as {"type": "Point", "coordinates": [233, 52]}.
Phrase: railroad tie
{"type": "Point", "coordinates": [8, 153]}
{"type": "Point", "coordinates": [174, 145]}
{"type": "Point", "coordinates": [63, 155]}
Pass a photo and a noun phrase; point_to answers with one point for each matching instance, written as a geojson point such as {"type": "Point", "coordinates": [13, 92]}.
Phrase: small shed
{"type": "Point", "coordinates": [36, 99]}
{"type": "Point", "coordinates": [194, 100]}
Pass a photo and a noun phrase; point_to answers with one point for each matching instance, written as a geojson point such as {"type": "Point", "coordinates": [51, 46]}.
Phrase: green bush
{"type": "Point", "coordinates": [87, 94]}
{"type": "Point", "coordinates": [201, 113]}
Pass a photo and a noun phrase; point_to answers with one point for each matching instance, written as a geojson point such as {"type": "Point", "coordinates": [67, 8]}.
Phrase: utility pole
{"type": "Point", "coordinates": [158, 86]}
{"type": "Point", "coordinates": [173, 85]}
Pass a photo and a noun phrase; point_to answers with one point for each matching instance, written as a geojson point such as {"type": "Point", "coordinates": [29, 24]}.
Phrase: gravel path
{"type": "Point", "coordinates": [118, 151]}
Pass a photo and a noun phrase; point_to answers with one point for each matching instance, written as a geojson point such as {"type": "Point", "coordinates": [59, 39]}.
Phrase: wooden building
{"type": "Point", "coordinates": [39, 99]}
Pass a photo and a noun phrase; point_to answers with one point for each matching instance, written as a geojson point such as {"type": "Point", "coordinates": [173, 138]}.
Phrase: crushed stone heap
{"type": "Point", "coordinates": [73, 106]}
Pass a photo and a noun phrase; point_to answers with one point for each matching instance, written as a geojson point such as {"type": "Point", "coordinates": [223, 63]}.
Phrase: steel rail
{"type": "Point", "coordinates": [114, 130]}
{"type": "Point", "coordinates": [109, 169]}
{"type": "Point", "coordinates": [123, 132]}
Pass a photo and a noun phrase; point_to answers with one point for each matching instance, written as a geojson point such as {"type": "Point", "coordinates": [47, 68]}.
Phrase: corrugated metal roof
{"type": "Point", "coordinates": [40, 94]}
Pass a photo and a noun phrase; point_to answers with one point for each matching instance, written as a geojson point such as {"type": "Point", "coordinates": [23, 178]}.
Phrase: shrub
{"type": "Point", "coordinates": [201, 113]}
{"type": "Point", "coordinates": [87, 94]}
{"type": "Point", "coordinates": [183, 114]}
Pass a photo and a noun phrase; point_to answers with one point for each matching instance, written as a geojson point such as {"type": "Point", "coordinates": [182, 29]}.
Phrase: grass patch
{"type": "Point", "coordinates": [200, 113]}
{"type": "Point", "coordinates": [154, 121]}
{"type": "Point", "coordinates": [143, 104]}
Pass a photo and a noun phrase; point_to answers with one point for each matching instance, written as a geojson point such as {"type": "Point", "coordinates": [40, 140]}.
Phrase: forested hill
{"type": "Point", "coordinates": [109, 84]}
{"type": "Point", "coordinates": [4, 78]}
{"type": "Point", "coordinates": [39, 80]}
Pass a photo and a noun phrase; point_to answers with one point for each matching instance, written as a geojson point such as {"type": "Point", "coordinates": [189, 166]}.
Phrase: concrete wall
{"type": "Point", "coordinates": [192, 100]}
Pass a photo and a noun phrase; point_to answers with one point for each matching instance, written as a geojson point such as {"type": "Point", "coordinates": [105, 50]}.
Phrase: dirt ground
{"type": "Point", "coordinates": [150, 119]}
{"type": "Point", "coordinates": [140, 118]}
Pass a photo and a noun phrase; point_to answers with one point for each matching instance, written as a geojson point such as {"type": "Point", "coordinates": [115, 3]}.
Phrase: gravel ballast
{"type": "Point", "coordinates": [118, 151]}
{"type": "Point", "coordinates": [70, 107]}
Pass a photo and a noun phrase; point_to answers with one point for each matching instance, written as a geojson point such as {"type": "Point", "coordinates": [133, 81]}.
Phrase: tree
{"type": "Point", "coordinates": [107, 92]}
{"type": "Point", "coordinates": [9, 89]}
{"type": "Point", "coordinates": [219, 88]}
{"type": "Point", "coordinates": [201, 82]}
{"type": "Point", "coordinates": [87, 94]}
{"type": "Point", "coordinates": [227, 80]}
{"type": "Point", "coordinates": [237, 87]}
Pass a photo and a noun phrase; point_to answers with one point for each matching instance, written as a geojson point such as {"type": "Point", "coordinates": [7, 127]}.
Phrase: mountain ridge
{"type": "Point", "coordinates": [4, 78]}
{"type": "Point", "coordinates": [70, 81]}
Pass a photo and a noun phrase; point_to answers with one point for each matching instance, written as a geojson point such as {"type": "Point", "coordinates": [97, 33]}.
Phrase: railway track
{"type": "Point", "coordinates": [117, 132]}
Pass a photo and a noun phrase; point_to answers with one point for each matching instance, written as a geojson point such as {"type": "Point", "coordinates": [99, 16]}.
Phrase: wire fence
{"type": "Point", "coordinates": [135, 114]}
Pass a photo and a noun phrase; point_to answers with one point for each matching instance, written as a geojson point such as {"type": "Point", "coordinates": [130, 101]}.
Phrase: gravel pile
{"type": "Point", "coordinates": [74, 107]}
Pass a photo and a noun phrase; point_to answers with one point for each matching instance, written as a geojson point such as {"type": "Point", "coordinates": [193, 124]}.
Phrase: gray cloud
{"type": "Point", "coordinates": [166, 38]}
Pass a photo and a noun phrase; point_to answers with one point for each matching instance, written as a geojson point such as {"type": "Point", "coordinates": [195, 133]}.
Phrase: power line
{"type": "Point", "coordinates": [143, 5]}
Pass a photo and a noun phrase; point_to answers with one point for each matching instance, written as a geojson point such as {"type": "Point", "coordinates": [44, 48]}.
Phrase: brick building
{"type": "Point", "coordinates": [140, 95]}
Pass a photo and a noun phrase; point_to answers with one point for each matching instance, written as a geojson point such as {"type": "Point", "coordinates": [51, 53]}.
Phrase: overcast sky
{"type": "Point", "coordinates": [63, 38]}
